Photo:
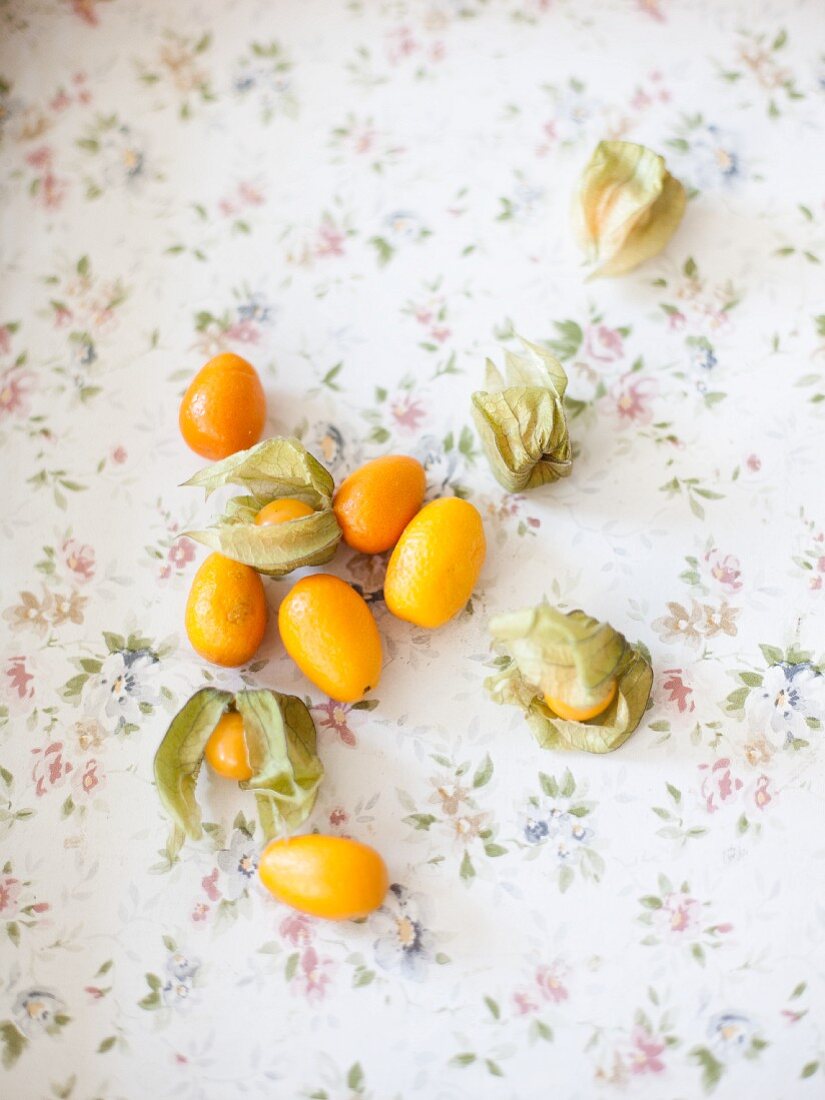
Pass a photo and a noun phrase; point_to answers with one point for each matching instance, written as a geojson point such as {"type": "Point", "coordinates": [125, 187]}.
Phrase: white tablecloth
{"type": "Point", "coordinates": [366, 199]}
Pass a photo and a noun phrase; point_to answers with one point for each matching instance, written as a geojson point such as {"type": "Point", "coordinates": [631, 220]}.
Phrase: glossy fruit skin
{"type": "Point", "coordinates": [226, 611]}
{"type": "Point", "coordinates": [224, 408]}
{"type": "Point", "coordinates": [376, 502]}
{"type": "Point", "coordinates": [434, 568]}
{"type": "Point", "coordinates": [282, 511]}
{"type": "Point", "coordinates": [326, 876]}
{"type": "Point", "coordinates": [226, 752]}
{"type": "Point", "coordinates": [330, 634]}
{"type": "Point", "coordinates": [581, 714]}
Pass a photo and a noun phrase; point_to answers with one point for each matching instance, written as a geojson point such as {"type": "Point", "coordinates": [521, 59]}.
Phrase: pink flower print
{"type": "Point", "coordinates": [9, 893]}
{"type": "Point", "coordinates": [63, 316]}
{"type": "Point", "coordinates": [645, 1052]}
{"type": "Point", "coordinates": [330, 239]}
{"type": "Point", "coordinates": [208, 882]}
{"type": "Point", "coordinates": [40, 158]}
{"type": "Point", "coordinates": [118, 455]}
{"type": "Point", "coordinates": [335, 719]}
{"type": "Point", "coordinates": [679, 914]}
{"type": "Point", "coordinates": [440, 333]}
{"type": "Point", "coordinates": [791, 1016]}
{"type": "Point", "coordinates": [50, 769]}
{"type": "Point", "coordinates": [338, 817]}
{"type": "Point", "coordinates": [79, 559]}
{"type": "Point", "coordinates": [718, 784]}
{"type": "Point", "coordinates": [313, 975]}
{"type": "Point", "coordinates": [550, 985]}
{"type": "Point", "coordinates": [90, 779]}
{"type": "Point", "coordinates": [762, 796]}
{"type": "Point", "coordinates": [524, 1004]}
{"type": "Point", "coordinates": [297, 929]}
{"type": "Point", "coordinates": [15, 386]}
{"type": "Point", "coordinates": [676, 320]}
{"type": "Point", "coordinates": [19, 681]}
{"type": "Point", "coordinates": [86, 11]}
{"type": "Point", "coordinates": [181, 552]}
{"type": "Point", "coordinates": [200, 911]}
{"type": "Point", "coordinates": [407, 412]}
{"type": "Point", "coordinates": [603, 343]}
{"type": "Point", "coordinates": [633, 399]}
{"type": "Point", "coordinates": [244, 332]}
{"type": "Point", "coordinates": [678, 691]}
{"type": "Point", "coordinates": [53, 191]}
{"type": "Point", "coordinates": [60, 101]}
{"type": "Point", "coordinates": [401, 43]}
{"type": "Point", "coordinates": [227, 208]}
{"type": "Point", "coordinates": [725, 569]}
{"type": "Point", "coordinates": [364, 140]}
{"type": "Point", "coordinates": [753, 463]}
{"type": "Point", "coordinates": [5, 339]}
{"type": "Point", "coordinates": [551, 136]}
{"type": "Point", "coordinates": [250, 195]}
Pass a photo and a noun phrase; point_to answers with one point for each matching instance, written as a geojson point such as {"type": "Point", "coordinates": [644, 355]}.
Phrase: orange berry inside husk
{"type": "Point", "coordinates": [582, 714]}
{"type": "Point", "coordinates": [282, 511]}
{"type": "Point", "coordinates": [226, 752]}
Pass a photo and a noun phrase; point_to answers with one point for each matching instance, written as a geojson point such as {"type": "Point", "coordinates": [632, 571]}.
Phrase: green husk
{"type": "Point", "coordinates": [627, 208]}
{"type": "Point", "coordinates": [272, 470]}
{"type": "Point", "coordinates": [281, 741]}
{"type": "Point", "coordinates": [521, 420]}
{"type": "Point", "coordinates": [572, 657]}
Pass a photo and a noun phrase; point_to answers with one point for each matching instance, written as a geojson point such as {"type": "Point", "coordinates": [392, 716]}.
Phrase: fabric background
{"type": "Point", "coordinates": [366, 199]}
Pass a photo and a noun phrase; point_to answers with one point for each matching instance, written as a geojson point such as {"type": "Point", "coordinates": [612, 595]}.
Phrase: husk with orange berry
{"type": "Point", "coordinates": [276, 469]}
{"type": "Point", "coordinates": [280, 737]}
{"type": "Point", "coordinates": [553, 662]}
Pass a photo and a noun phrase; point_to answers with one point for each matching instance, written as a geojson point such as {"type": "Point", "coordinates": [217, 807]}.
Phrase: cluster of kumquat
{"type": "Point", "coordinates": [325, 625]}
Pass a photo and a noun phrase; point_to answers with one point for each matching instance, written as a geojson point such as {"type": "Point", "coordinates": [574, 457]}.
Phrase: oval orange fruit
{"type": "Point", "coordinates": [224, 408]}
{"type": "Point", "coordinates": [226, 611]}
{"type": "Point", "coordinates": [226, 752]}
{"type": "Point", "coordinates": [330, 634]}
{"type": "Point", "coordinates": [434, 568]}
{"type": "Point", "coordinates": [326, 876]}
{"type": "Point", "coordinates": [282, 511]}
{"type": "Point", "coordinates": [582, 714]}
{"type": "Point", "coordinates": [376, 502]}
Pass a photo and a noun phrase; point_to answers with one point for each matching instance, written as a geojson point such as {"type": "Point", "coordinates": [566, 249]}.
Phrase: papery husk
{"type": "Point", "coordinates": [627, 208]}
{"type": "Point", "coordinates": [272, 470]}
{"type": "Point", "coordinates": [521, 421]}
{"type": "Point", "coordinates": [573, 657]}
{"type": "Point", "coordinates": [281, 743]}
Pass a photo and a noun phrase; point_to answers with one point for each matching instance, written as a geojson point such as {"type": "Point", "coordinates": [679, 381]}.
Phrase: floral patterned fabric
{"type": "Point", "coordinates": [367, 199]}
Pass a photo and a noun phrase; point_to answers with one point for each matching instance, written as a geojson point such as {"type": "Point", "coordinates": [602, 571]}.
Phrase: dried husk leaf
{"type": "Point", "coordinates": [521, 421]}
{"type": "Point", "coordinates": [281, 741]}
{"type": "Point", "coordinates": [272, 470]}
{"type": "Point", "coordinates": [179, 757]}
{"type": "Point", "coordinates": [627, 208]}
{"type": "Point", "coordinates": [280, 467]}
{"type": "Point", "coordinates": [572, 657]}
